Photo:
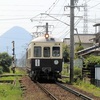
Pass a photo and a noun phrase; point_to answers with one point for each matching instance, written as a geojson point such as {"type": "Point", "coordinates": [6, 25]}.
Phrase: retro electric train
{"type": "Point", "coordinates": [44, 58]}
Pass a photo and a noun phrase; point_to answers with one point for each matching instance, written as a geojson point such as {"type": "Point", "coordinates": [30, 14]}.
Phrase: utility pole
{"type": "Point", "coordinates": [71, 40]}
{"type": "Point", "coordinates": [72, 6]}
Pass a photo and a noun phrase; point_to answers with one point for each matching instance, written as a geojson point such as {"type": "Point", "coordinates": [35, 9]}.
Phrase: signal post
{"type": "Point", "coordinates": [13, 57]}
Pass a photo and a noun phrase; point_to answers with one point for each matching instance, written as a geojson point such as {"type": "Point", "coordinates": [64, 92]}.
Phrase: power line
{"type": "Point", "coordinates": [94, 6]}
{"type": "Point", "coordinates": [19, 5]}
{"type": "Point", "coordinates": [61, 14]}
{"type": "Point", "coordinates": [20, 10]}
{"type": "Point", "coordinates": [50, 15]}
{"type": "Point", "coordinates": [88, 1]}
{"type": "Point", "coordinates": [52, 6]}
{"type": "Point", "coordinates": [50, 9]}
{"type": "Point", "coordinates": [14, 18]}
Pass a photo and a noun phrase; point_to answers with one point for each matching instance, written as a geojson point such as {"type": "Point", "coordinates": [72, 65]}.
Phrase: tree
{"type": "Point", "coordinates": [79, 47]}
{"type": "Point", "coordinates": [92, 60]}
{"type": "Point", "coordinates": [5, 61]}
{"type": "Point", "coordinates": [1, 70]}
{"type": "Point", "coordinates": [65, 53]}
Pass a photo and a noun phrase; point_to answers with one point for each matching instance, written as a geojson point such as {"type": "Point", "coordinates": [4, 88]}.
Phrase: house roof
{"type": "Point", "coordinates": [98, 24]}
{"type": "Point", "coordinates": [85, 38]}
{"type": "Point", "coordinates": [90, 52]}
{"type": "Point", "coordinates": [94, 48]}
{"type": "Point", "coordinates": [66, 40]}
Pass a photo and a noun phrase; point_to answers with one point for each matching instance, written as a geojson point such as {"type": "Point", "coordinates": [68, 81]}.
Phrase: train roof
{"type": "Point", "coordinates": [43, 39]}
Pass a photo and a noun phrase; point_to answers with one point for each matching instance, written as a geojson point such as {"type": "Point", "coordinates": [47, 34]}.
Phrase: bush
{"type": "Point", "coordinates": [77, 73]}
{"type": "Point", "coordinates": [1, 70]}
{"type": "Point", "coordinates": [65, 53]}
{"type": "Point", "coordinates": [6, 69]}
{"type": "Point", "coordinates": [92, 60]}
{"type": "Point", "coordinates": [5, 61]}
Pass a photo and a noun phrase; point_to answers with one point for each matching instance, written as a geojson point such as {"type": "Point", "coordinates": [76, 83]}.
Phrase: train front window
{"type": "Point", "coordinates": [37, 51]}
{"type": "Point", "coordinates": [56, 51]}
{"type": "Point", "coordinates": [46, 52]}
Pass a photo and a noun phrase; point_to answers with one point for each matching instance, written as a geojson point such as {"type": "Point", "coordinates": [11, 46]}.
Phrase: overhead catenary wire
{"type": "Point", "coordinates": [94, 6]}
{"type": "Point", "coordinates": [77, 20]}
{"type": "Point", "coordinates": [51, 7]}
{"type": "Point", "coordinates": [49, 11]}
{"type": "Point", "coordinates": [62, 14]}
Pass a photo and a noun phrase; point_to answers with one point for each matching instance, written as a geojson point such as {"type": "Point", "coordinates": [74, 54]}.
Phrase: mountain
{"type": "Point", "coordinates": [21, 38]}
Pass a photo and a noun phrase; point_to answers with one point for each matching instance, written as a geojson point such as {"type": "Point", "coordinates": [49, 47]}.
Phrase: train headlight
{"type": "Point", "coordinates": [46, 36]}
{"type": "Point", "coordinates": [56, 62]}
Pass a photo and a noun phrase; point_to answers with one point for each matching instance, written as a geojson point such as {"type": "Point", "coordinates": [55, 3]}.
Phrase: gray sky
{"type": "Point", "coordinates": [19, 13]}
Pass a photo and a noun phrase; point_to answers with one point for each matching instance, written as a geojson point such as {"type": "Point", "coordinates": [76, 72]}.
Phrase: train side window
{"type": "Point", "coordinates": [56, 51]}
{"type": "Point", "coordinates": [37, 51]}
{"type": "Point", "coordinates": [46, 52]}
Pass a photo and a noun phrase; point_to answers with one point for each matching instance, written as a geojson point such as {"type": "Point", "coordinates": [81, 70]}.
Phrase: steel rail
{"type": "Point", "coordinates": [47, 92]}
{"type": "Point", "coordinates": [84, 97]}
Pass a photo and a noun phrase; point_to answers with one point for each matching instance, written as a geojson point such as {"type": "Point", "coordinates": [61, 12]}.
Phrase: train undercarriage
{"type": "Point", "coordinates": [38, 75]}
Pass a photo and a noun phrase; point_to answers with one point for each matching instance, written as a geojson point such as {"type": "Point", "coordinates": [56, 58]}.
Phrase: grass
{"type": "Point", "coordinates": [19, 71]}
{"type": "Point", "coordinates": [86, 86]}
{"type": "Point", "coordinates": [10, 78]}
{"type": "Point", "coordinates": [11, 91]}
{"type": "Point", "coordinates": [65, 70]}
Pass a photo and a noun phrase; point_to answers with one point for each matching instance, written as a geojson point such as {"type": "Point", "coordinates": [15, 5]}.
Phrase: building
{"type": "Point", "coordinates": [90, 42]}
{"type": "Point", "coordinates": [95, 48]}
{"type": "Point", "coordinates": [85, 40]}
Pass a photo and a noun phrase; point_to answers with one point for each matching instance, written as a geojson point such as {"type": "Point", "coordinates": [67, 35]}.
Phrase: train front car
{"type": "Point", "coordinates": [45, 58]}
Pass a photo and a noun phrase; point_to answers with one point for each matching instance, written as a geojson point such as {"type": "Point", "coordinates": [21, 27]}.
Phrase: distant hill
{"type": "Point", "coordinates": [21, 38]}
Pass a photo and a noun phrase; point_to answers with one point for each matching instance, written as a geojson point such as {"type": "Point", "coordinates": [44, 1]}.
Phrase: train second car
{"type": "Point", "coordinates": [44, 58]}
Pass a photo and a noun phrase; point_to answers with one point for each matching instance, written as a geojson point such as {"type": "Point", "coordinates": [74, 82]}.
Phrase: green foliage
{"type": "Point", "coordinates": [77, 74]}
{"type": "Point", "coordinates": [92, 60]}
{"type": "Point", "coordinates": [65, 53]}
{"type": "Point", "coordinates": [5, 61]}
{"type": "Point", "coordinates": [1, 69]}
{"type": "Point", "coordinates": [86, 86]}
{"type": "Point", "coordinates": [79, 47]}
{"type": "Point", "coordinates": [10, 91]}
{"type": "Point", "coordinates": [77, 71]}
{"type": "Point", "coordinates": [65, 70]}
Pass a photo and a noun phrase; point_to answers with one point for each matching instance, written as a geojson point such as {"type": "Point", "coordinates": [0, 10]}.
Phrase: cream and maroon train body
{"type": "Point", "coordinates": [44, 58]}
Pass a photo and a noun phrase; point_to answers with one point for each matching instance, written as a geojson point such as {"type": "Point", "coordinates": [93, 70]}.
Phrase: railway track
{"type": "Point", "coordinates": [56, 92]}
{"type": "Point", "coordinates": [84, 97]}
{"type": "Point", "coordinates": [47, 92]}
{"type": "Point", "coordinates": [52, 91]}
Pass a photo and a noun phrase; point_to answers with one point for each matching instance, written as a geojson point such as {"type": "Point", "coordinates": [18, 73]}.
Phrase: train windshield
{"type": "Point", "coordinates": [37, 51]}
{"type": "Point", "coordinates": [56, 51]}
{"type": "Point", "coordinates": [46, 52]}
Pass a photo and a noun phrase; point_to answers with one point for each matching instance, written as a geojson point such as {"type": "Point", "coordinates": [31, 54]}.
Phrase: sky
{"type": "Point", "coordinates": [33, 15]}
